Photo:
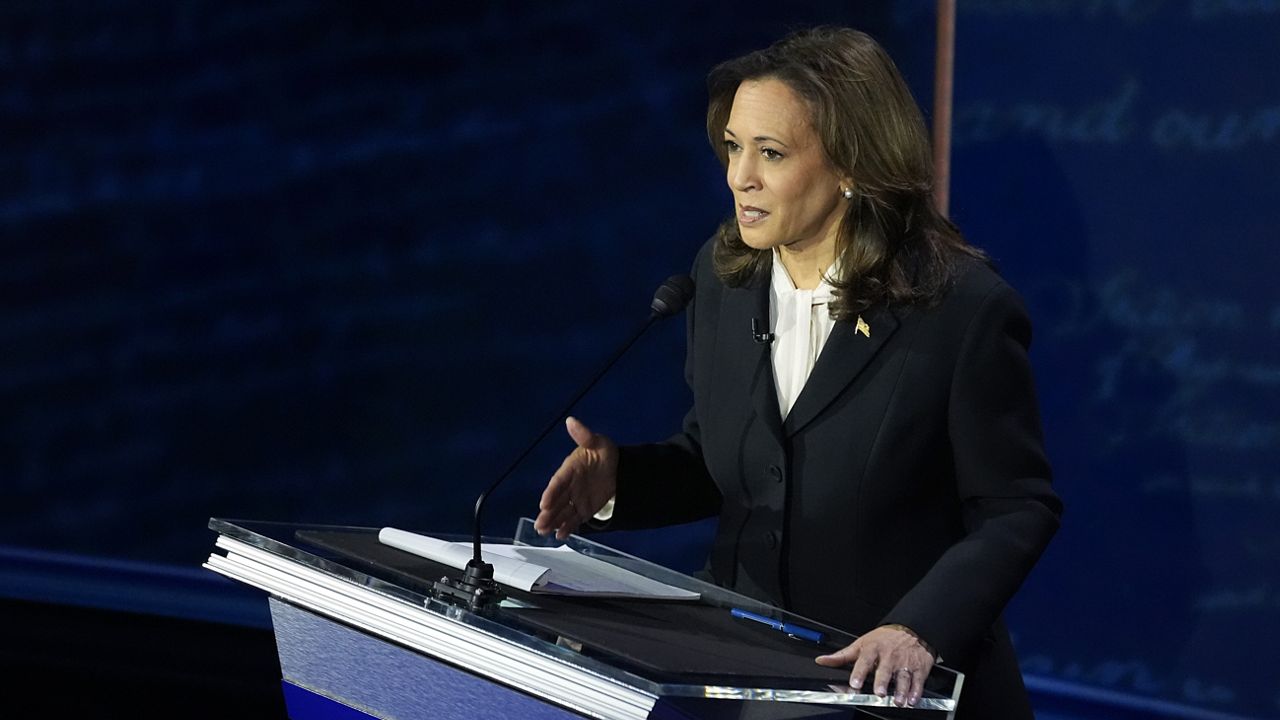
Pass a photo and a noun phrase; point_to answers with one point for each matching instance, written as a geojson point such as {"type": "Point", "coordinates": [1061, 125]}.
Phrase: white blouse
{"type": "Point", "coordinates": [801, 324]}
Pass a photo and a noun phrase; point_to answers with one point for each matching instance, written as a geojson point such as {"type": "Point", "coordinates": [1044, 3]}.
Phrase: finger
{"type": "Point", "coordinates": [554, 506]}
{"type": "Point", "coordinates": [862, 668]}
{"type": "Point", "coordinates": [562, 481]}
{"type": "Point", "coordinates": [581, 434]}
{"type": "Point", "coordinates": [565, 518]}
{"type": "Point", "coordinates": [917, 687]}
{"type": "Point", "coordinates": [885, 671]}
{"type": "Point", "coordinates": [844, 656]}
{"type": "Point", "coordinates": [554, 520]}
{"type": "Point", "coordinates": [917, 680]}
{"type": "Point", "coordinates": [551, 512]}
{"type": "Point", "coordinates": [543, 523]}
{"type": "Point", "coordinates": [567, 528]}
{"type": "Point", "coordinates": [902, 679]}
{"type": "Point", "coordinates": [564, 515]}
{"type": "Point", "coordinates": [568, 517]}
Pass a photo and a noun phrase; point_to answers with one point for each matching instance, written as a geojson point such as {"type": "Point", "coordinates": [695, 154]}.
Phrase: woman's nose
{"type": "Point", "coordinates": [742, 174]}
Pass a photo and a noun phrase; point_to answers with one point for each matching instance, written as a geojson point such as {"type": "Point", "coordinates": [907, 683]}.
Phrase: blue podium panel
{"type": "Point", "coordinates": [303, 704]}
{"type": "Point", "coordinates": [382, 679]}
{"type": "Point", "coordinates": [335, 672]}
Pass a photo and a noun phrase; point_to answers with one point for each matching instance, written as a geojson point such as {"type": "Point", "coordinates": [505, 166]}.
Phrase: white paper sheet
{"type": "Point", "coordinates": [559, 571]}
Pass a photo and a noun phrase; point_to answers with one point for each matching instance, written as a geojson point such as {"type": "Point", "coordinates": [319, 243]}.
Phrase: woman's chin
{"type": "Point", "coordinates": [755, 239]}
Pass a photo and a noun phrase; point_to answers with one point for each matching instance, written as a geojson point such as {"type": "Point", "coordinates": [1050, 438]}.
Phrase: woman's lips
{"type": "Point", "coordinates": [748, 215]}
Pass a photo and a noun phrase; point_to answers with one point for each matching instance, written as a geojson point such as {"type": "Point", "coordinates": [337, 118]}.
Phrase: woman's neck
{"type": "Point", "coordinates": [807, 264]}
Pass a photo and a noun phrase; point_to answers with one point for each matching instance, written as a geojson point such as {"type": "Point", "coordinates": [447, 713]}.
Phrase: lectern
{"type": "Point", "coordinates": [360, 633]}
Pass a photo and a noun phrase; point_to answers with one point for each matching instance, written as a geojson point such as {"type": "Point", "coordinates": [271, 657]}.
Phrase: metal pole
{"type": "Point", "coordinates": [944, 67]}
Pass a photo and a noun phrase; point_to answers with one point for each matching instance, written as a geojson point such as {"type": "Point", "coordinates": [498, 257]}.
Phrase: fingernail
{"type": "Point", "coordinates": [913, 700]}
{"type": "Point", "coordinates": [881, 691]}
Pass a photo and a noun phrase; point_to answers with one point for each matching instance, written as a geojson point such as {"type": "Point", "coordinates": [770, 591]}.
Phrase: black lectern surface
{"type": "Point", "coordinates": [676, 640]}
{"type": "Point", "coordinates": [639, 649]}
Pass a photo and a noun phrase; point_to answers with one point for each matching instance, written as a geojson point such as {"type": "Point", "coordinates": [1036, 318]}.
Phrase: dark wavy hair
{"type": "Point", "coordinates": [894, 246]}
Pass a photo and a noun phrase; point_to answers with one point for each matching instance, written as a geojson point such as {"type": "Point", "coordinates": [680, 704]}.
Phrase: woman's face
{"type": "Point", "coordinates": [784, 189]}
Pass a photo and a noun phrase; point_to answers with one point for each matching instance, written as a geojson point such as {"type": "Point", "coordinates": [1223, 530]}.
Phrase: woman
{"type": "Point", "coordinates": [874, 454]}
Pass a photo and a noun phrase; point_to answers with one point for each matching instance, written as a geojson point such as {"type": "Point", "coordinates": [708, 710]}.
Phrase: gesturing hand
{"type": "Point", "coordinates": [894, 653]}
{"type": "Point", "coordinates": [584, 483]}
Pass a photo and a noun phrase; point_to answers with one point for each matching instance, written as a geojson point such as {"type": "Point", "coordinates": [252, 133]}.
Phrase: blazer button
{"type": "Point", "coordinates": [775, 472]}
{"type": "Point", "coordinates": [771, 539]}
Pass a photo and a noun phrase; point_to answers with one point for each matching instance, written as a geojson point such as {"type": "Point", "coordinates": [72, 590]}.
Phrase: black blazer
{"type": "Point", "coordinates": [908, 484]}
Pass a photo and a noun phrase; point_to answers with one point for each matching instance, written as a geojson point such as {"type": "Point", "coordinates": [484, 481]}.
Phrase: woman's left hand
{"type": "Point", "coordinates": [894, 653]}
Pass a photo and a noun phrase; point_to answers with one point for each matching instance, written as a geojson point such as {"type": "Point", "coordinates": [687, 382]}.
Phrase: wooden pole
{"type": "Point", "coordinates": [944, 67]}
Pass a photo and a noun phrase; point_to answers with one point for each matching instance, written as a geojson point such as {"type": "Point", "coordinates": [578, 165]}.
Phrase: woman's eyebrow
{"type": "Point", "coordinates": [759, 138]}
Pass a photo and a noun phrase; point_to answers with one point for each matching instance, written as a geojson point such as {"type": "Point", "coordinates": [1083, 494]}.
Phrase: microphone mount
{"type": "Point", "coordinates": [762, 337]}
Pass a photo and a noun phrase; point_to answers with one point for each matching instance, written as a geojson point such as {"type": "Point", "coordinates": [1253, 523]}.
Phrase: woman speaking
{"type": "Point", "coordinates": [864, 422]}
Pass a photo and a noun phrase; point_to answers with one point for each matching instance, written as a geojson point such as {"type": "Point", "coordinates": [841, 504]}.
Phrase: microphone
{"type": "Point", "coordinates": [477, 589]}
{"type": "Point", "coordinates": [764, 338]}
{"type": "Point", "coordinates": [671, 297]}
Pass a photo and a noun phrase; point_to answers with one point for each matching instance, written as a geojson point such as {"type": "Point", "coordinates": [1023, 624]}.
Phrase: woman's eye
{"type": "Point", "coordinates": [770, 154]}
{"type": "Point", "coordinates": [731, 146]}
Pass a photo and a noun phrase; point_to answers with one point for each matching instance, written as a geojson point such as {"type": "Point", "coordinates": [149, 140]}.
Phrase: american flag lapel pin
{"type": "Point", "coordinates": [863, 327]}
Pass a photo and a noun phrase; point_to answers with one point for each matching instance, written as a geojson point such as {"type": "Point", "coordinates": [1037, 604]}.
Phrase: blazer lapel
{"type": "Point", "coordinates": [752, 367]}
{"type": "Point", "coordinates": [846, 353]}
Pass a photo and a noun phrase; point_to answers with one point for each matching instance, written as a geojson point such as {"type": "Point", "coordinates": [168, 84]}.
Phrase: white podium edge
{"type": "Point", "coordinates": [432, 634]}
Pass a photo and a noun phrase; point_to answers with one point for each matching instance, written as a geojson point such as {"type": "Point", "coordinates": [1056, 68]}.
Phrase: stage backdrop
{"type": "Point", "coordinates": [336, 262]}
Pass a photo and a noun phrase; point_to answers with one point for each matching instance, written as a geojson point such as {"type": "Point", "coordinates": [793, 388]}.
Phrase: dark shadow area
{"type": "Point", "coordinates": [63, 661]}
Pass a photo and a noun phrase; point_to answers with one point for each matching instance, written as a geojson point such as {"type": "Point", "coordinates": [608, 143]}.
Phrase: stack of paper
{"type": "Point", "coordinates": [558, 571]}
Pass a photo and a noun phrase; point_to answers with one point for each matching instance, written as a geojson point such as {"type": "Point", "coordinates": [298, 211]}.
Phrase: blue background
{"type": "Point", "coordinates": [338, 263]}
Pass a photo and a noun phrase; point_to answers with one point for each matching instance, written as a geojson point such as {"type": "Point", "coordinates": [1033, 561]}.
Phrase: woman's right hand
{"type": "Point", "coordinates": [586, 480]}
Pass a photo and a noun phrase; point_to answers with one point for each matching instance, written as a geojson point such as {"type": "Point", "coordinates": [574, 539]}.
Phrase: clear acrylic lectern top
{"type": "Point", "coordinates": [694, 649]}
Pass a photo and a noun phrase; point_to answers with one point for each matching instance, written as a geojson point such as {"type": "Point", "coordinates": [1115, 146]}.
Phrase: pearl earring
{"type": "Point", "coordinates": [848, 193]}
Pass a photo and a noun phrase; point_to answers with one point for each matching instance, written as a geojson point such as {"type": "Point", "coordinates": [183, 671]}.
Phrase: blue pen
{"type": "Point", "coordinates": [795, 631]}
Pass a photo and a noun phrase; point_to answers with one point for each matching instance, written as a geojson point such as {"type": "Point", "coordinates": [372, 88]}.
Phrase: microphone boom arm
{"type": "Point", "coordinates": [477, 589]}
{"type": "Point", "coordinates": [654, 317]}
